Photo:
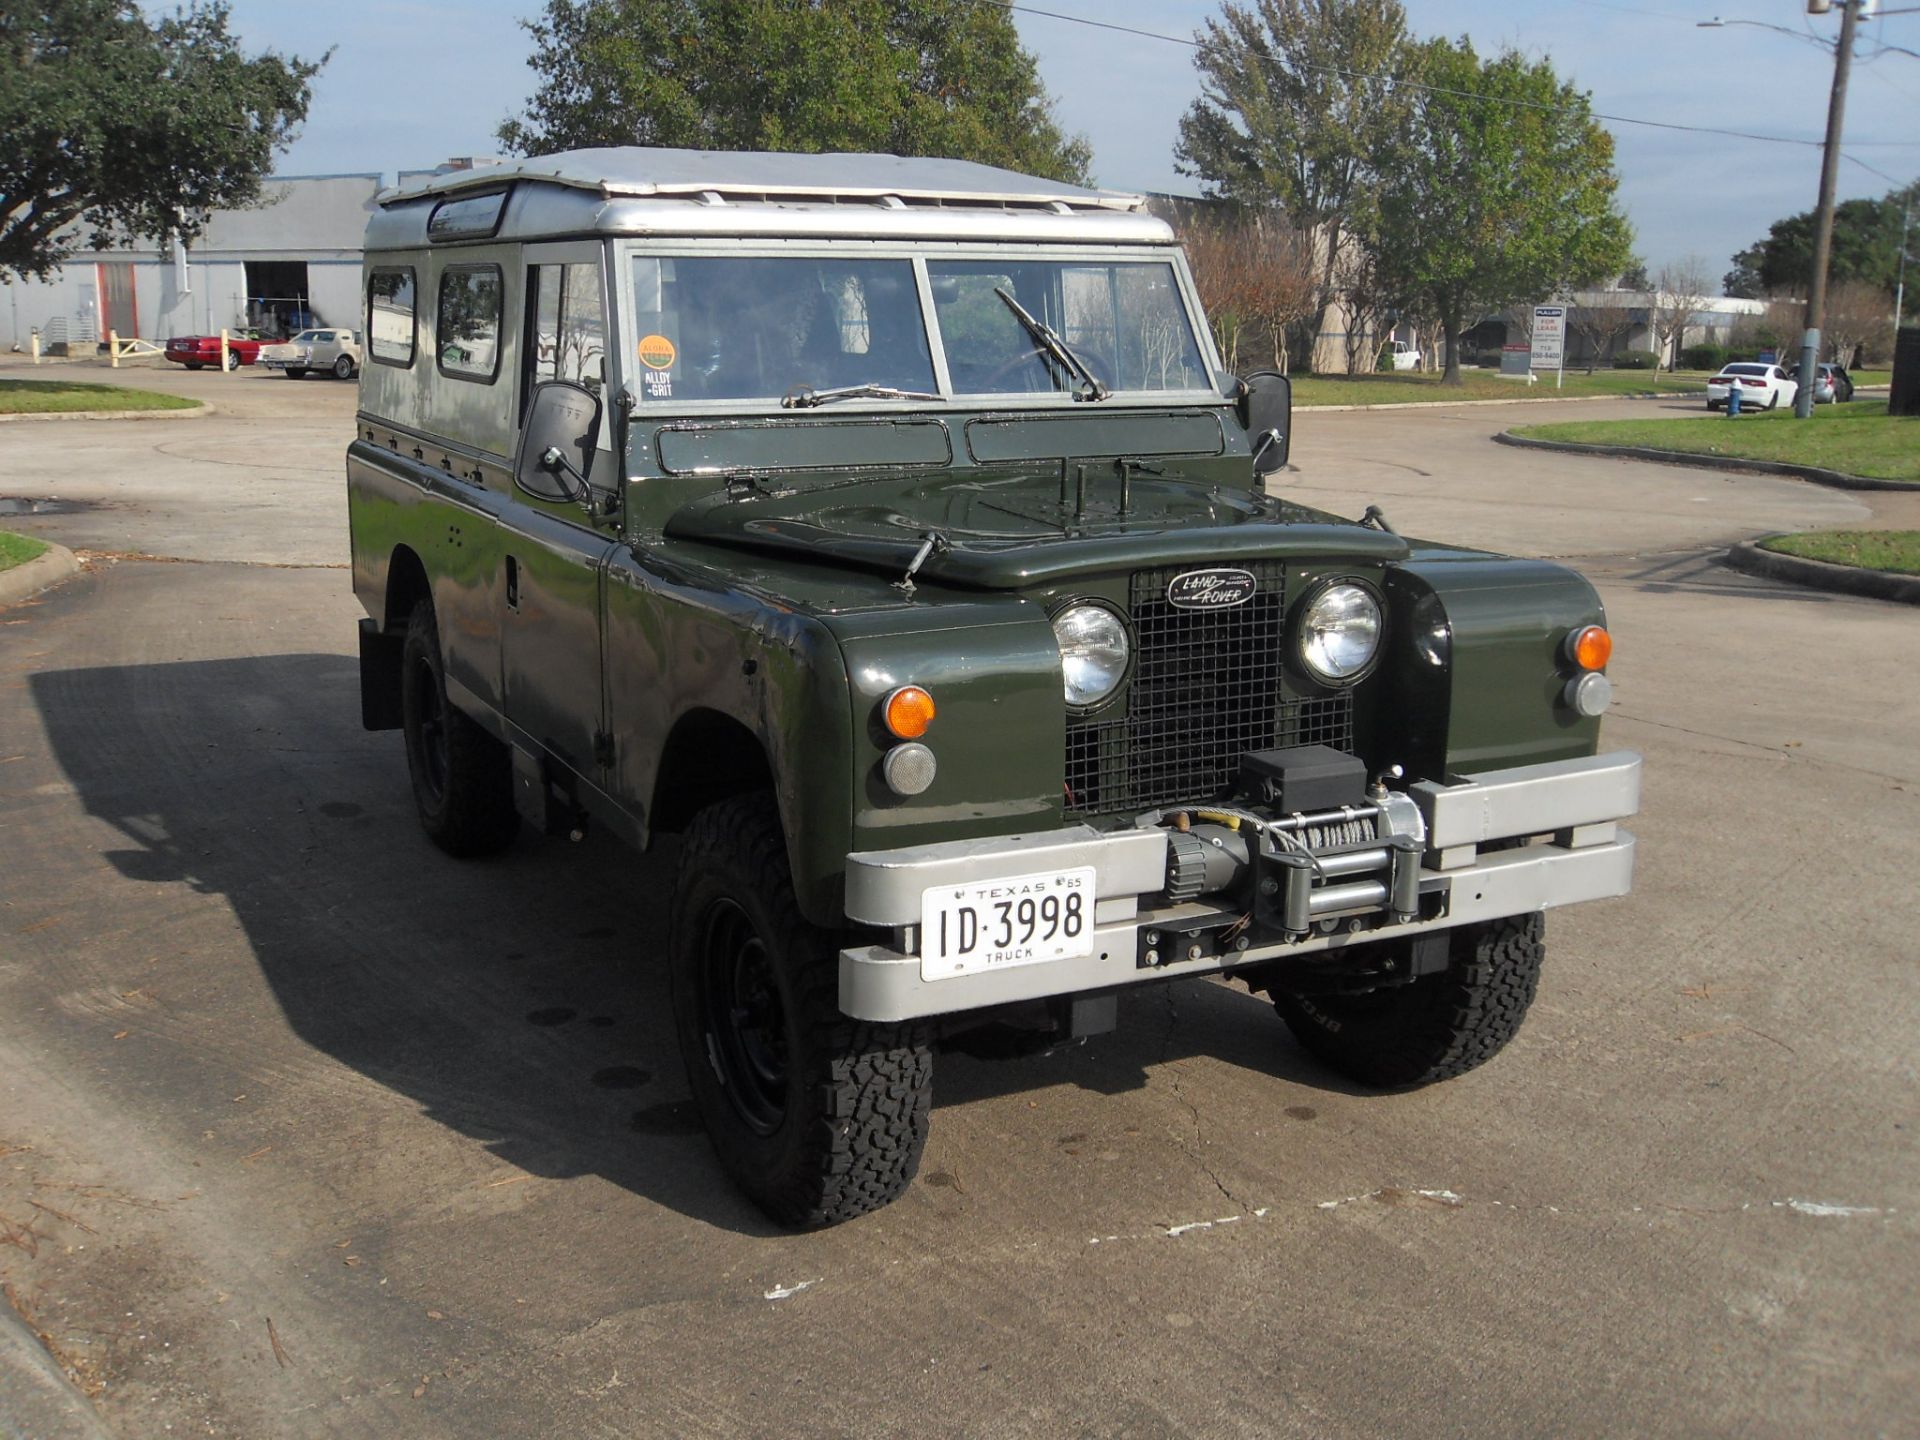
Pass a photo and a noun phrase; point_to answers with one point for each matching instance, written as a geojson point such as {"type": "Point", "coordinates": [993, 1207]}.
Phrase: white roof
{"type": "Point", "coordinates": [635, 170]}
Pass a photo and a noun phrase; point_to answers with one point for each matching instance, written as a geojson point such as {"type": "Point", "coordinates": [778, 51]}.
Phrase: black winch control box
{"type": "Point", "coordinates": [1303, 778]}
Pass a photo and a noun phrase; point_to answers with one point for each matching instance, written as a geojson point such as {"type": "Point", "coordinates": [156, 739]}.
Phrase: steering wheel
{"type": "Point", "coordinates": [1000, 372]}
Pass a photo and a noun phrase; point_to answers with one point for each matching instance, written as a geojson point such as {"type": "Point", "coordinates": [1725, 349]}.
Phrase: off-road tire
{"type": "Point", "coordinates": [1435, 1027]}
{"type": "Point", "coordinates": [834, 1127]}
{"type": "Point", "coordinates": [462, 776]}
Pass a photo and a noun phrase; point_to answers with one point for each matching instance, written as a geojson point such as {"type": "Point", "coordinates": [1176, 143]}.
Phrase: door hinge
{"type": "Point", "coordinates": [603, 749]}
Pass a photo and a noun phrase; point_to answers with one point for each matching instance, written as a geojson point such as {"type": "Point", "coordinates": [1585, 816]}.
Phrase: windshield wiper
{"type": "Point", "coordinates": [805, 397]}
{"type": "Point", "coordinates": [1092, 388]}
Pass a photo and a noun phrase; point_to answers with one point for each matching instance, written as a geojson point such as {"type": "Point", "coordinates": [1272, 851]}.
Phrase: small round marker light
{"type": "Point", "coordinates": [907, 712]}
{"type": "Point", "coordinates": [1590, 647]}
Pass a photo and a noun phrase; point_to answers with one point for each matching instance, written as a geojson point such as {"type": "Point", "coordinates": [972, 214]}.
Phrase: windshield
{"type": "Point", "coordinates": [714, 328]}
{"type": "Point", "coordinates": [1126, 322]}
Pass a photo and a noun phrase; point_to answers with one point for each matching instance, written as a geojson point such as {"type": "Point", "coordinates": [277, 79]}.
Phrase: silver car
{"type": "Point", "coordinates": [334, 352]}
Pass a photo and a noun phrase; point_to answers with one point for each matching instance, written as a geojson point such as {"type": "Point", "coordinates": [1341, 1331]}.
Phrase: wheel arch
{"type": "Point", "coordinates": [709, 756]}
{"type": "Point", "coordinates": [407, 586]}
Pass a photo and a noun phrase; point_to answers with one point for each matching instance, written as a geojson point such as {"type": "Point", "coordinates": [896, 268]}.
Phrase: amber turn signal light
{"type": "Point", "coordinates": [1590, 648]}
{"type": "Point", "coordinates": [907, 712]}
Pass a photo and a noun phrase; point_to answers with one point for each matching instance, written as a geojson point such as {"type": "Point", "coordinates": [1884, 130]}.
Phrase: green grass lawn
{"type": "Point", "coordinates": [18, 549]}
{"type": "Point", "coordinates": [42, 397]}
{"type": "Point", "coordinates": [1405, 387]}
{"type": "Point", "coordinates": [1858, 438]}
{"type": "Point", "coordinates": [1897, 551]}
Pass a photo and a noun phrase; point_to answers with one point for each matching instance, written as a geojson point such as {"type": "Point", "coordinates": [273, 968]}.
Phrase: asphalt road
{"type": "Point", "coordinates": [308, 1130]}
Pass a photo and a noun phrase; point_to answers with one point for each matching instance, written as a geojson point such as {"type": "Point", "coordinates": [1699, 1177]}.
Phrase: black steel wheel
{"type": "Point", "coordinates": [462, 776]}
{"type": "Point", "coordinates": [1435, 1027]}
{"type": "Point", "coordinates": [817, 1117]}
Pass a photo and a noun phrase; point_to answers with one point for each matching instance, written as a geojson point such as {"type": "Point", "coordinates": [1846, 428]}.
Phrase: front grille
{"type": "Point", "coordinates": [1206, 688]}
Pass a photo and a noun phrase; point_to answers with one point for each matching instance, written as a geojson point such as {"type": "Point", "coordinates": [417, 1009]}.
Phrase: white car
{"type": "Point", "coordinates": [336, 352]}
{"type": "Point", "coordinates": [1762, 387]}
{"type": "Point", "coordinates": [1407, 357]}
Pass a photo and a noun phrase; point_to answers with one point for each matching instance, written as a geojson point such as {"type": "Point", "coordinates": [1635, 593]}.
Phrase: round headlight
{"type": "Point", "coordinates": [1093, 652]}
{"type": "Point", "coordinates": [1340, 633]}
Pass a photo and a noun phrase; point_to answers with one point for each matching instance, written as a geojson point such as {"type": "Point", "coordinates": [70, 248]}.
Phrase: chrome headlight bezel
{"type": "Point", "coordinates": [1303, 632]}
{"type": "Point", "coordinates": [1096, 611]}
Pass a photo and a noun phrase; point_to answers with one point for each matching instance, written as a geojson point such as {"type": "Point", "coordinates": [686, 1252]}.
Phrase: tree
{"type": "Point", "coordinates": [910, 77]}
{"type": "Point", "coordinates": [1502, 192]}
{"type": "Point", "coordinates": [1297, 103]}
{"type": "Point", "coordinates": [1678, 291]}
{"type": "Point", "coordinates": [1866, 247]}
{"type": "Point", "coordinates": [1605, 321]}
{"type": "Point", "coordinates": [1256, 277]}
{"type": "Point", "coordinates": [122, 128]}
{"type": "Point", "coordinates": [1859, 323]}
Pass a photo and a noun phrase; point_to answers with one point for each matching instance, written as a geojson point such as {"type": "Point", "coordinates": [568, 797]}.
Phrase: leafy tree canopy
{"type": "Point", "coordinates": [1866, 249]}
{"type": "Point", "coordinates": [910, 77]}
{"type": "Point", "coordinates": [1503, 190]}
{"type": "Point", "coordinates": [126, 127]}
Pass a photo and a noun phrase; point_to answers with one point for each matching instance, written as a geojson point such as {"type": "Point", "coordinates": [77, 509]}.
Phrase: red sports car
{"type": "Point", "coordinates": [196, 351]}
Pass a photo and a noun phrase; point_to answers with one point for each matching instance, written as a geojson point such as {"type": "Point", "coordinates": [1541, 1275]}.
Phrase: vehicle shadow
{"type": "Point", "coordinates": [513, 999]}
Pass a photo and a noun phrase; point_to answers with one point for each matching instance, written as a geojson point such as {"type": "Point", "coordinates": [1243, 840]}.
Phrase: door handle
{"type": "Point", "coordinates": [513, 583]}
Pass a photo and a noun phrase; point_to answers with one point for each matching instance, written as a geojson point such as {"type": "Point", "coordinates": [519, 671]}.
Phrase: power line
{"type": "Point", "coordinates": [1674, 125]}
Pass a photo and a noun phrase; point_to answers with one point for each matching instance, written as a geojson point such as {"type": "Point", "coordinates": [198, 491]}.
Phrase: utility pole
{"type": "Point", "coordinates": [1823, 239]}
{"type": "Point", "coordinates": [1900, 288]}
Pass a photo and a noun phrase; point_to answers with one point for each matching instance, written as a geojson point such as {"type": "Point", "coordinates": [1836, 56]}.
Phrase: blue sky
{"type": "Point", "coordinates": [414, 81]}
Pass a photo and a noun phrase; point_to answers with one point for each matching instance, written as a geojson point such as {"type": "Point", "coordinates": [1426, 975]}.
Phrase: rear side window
{"type": "Point", "coordinates": [467, 331]}
{"type": "Point", "coordinates": [390, 315]}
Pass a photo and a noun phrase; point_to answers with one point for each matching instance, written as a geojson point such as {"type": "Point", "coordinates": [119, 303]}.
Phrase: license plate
{"type": "Point", "coordinates": [997, 924]}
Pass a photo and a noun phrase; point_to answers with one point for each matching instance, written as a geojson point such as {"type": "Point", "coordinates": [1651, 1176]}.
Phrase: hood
{"type": "Point", "coordinates": [1012, 531]}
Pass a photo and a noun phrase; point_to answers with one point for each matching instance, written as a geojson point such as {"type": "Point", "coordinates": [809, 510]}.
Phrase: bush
{"type": "Point", "coordinates": [1704, 357]}
{"type": "Point", "coordinates": [1636, 360]}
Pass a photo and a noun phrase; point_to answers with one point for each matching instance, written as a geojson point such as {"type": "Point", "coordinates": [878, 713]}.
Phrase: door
{"type": "Point", "coordinates": [555, 552]}
{"type": "Point", "coordinates": [116, 291]}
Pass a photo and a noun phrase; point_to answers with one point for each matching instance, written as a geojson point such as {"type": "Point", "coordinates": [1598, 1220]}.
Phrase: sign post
{"type": "Point", "coordinates": [1549, 349]}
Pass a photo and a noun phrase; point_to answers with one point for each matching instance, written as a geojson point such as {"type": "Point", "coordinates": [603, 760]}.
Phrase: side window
{"type": "Point", "coordinates": [390, 315]}
{"type": "Point", "coordinates": [467, 330]}
{"type": "Point", "coordinates": [568, 325]}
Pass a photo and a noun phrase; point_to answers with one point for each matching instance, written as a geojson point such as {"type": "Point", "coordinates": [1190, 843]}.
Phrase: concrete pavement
{"type": "Point", "coordinates": [321, 1133]}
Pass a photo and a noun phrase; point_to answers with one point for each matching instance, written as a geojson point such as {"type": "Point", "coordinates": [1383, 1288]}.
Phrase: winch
{"type": "Point", "coordinates": [1308, 844]}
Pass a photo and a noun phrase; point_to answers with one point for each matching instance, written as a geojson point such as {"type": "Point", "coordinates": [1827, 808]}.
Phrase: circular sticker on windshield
{"type": "Point", "coordinates": [657, 352]}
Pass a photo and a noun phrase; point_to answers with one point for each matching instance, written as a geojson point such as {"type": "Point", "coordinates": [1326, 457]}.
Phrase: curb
{"type": "Point", "coordinates": [198, 411]}
{"type": "Point", "coordinates": [1834, 478]}
{"type": "Point", "coordinates": [45, 570]}
{"type": "Point", "coordinates": [1517, 400]}
{"type": "Point", "coordinates": [37, 1400]}
{"type": "Point", "coordinates": [1749, 556]}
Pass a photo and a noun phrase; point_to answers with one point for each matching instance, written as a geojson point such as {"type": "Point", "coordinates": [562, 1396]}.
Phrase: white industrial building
{"type": "Point", "coordinates": [291, 262]}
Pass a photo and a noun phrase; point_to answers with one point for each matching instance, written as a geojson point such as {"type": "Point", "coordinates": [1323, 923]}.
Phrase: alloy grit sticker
{"type": "Point", "coordinates": [657, 355]}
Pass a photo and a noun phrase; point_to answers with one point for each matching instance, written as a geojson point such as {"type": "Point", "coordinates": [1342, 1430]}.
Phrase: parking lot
{"type": "Point", "coordinates": [306, 1129]}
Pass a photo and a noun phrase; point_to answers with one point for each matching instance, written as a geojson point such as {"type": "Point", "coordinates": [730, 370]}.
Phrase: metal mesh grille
{"type": "Point", "coordinates": [1206, 688]}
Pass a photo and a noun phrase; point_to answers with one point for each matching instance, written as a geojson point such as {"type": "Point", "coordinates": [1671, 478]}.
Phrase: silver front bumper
{"type": "Point", "coordinates": [1577, 803]}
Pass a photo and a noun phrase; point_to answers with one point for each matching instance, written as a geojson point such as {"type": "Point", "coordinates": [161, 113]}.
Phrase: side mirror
{"type": "Point", "coordinates": [556, 445]}
{"type": "Point", "coordinates": [1266, 408]}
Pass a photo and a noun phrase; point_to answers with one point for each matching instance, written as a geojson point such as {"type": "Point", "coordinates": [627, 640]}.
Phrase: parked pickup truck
{"type": "Point", "coordinates": [325, 352]}
{"type": "Point", "coordinates": [888, 530]}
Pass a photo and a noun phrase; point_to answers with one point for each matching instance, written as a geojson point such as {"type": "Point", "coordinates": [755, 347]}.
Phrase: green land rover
{"type": "Point", "coordinates": [889, 530]}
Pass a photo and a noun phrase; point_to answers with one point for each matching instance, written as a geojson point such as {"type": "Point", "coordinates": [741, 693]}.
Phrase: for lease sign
{"type": "Point", "coordinates": [1549, 337]}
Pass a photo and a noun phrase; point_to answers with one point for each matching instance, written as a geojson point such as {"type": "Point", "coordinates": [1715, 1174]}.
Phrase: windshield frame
{"type": "Point", "coordinates": [918, 252]}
